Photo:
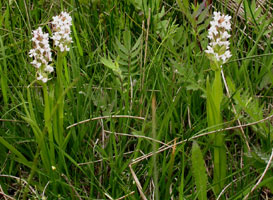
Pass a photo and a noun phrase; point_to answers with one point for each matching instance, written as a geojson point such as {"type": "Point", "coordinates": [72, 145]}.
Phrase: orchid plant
{"type": "Point", "coordinates": [53, 116]}
{"type": "Point", "coordinates": [218, 53]}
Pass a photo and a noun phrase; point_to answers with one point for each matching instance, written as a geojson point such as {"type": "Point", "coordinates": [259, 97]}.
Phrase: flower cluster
{"type": "Point", "coordinates": [61, 31]}
{"type": "Point", "coordinates": [41, 54]}
{"type": "Point", "coordinates": [218, 48]}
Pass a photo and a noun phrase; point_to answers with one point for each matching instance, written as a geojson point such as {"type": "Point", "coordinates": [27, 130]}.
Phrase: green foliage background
{"type": "Point", "coordinates": [124, 54]}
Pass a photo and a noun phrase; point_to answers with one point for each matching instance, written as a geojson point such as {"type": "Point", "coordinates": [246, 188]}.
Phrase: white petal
{"type": "Point", "coordinates": [49, 69]}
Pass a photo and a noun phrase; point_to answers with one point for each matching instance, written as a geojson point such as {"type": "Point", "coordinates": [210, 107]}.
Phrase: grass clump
{"type": "Point", "coordinates": [130, 110]}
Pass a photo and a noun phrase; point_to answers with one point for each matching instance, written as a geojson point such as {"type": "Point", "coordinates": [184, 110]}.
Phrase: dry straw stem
{"type": "Point", "coordinates": [105, 117]}
{"type": "Point", "coordinates": [146, 41]}
{"type": "Point", "coordinates": [262, 176]}
{"type": "Point", "coordinates": [100, 160]}
{"type": "Point", "coordinates": [108, 196]}
{"type": "Point", "coordinates": [102, 133]}
{"type": "Point", "coordinates": [5, 196]}
{"type": "Point", "coordinates": [20, 180]}
{"type": "Point", "coordinates": [137, 183]}
{"type": "Point", "coordinates": [238, 11]}
{"type": "Point", "coordinates": [200, 135]}
{"type": "Point", "coordinates": [190, 139]}
{"type": "Point", "coordinates": [43, 194]}
{"type": "Point", "coordinates": [137, 136]}
{"type": "Point", "coordinates": [222, 192]}
{"type": "Point", "coordinates": [125, 196]}
{"type": "Point", "coordinates": [145, 57]}
{"type": "Point", "coordinates": [228, 185]}
{"type": "Point", "coordinates": [11, 120]}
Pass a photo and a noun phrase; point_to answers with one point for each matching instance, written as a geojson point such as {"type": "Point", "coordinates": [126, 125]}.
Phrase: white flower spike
{"type": "Point", "coordinates": [218, 48]}
{"type": "Point", "coordinates": [61, 31]}
{"type": "Point", "coordinates": [41, 54]}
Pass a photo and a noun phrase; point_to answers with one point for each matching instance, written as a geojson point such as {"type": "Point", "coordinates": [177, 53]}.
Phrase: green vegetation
{"type": "Point", "coordinates": [132, 111]}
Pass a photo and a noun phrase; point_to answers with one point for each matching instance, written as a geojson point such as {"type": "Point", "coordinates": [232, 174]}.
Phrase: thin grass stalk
{"type": "Point", "coordinates": [181, 187]}
{"type": "Point", "coordinates": [170, 172]}
{"type": "Point", "coordinates": [144, 62]}
{"type": "Point", "coordinates": [155, 147]}
{"type": "Point", "coordinates": [4, 73]}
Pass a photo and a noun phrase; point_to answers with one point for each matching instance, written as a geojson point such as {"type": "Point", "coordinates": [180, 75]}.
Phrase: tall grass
{"type": "Point", "coordinates": [132, 91]}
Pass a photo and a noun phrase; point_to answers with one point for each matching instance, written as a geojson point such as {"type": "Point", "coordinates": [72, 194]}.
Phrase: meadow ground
{"type": "Point", "coordinates": [138, 106]}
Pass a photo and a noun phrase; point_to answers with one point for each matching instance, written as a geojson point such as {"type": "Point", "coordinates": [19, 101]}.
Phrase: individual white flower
{"type": "Point", "coordinates": [32, 53]}
{"type": "Point", "coordinates": [41, 54]}
{"type": "Point", "coordinates": [209, 50]}
{"type": "Point", "coordinates": [225, 56]}
{"type": "Point", "coordinates": [218, 48]}
{"type": "Point", "coordinates": [36, 64]}
{"type": "Point", "coordinates": [61, 31]}
{"type": "Point", "coordinates": [42, 78]}
{"type": "Point", "coordinates": [49, 69]}
{"type": "Point", "coordinates": [225, 35]}
{"type": "Point", "coordinates": [217, 15]}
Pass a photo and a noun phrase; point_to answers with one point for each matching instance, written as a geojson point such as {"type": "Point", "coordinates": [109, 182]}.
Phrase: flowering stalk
{"type": "Point", "coordinates": [61, 27]}
{"type": "Point", "coordinates": [218, 53]}
{"type": "Point", "coordinates": [41, 54]}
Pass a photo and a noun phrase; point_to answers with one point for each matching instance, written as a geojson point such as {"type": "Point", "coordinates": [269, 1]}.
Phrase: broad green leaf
{"type": "Point", "coordinates": [108, 63]}
{"type": "Point", "coordinates": [127, 38]}
{"type": "Point", "coordinates": [122, 47]}
{"type": "Point", "coordinates": [199, 171]}
{"type": "Point", "coordinates": [217, 91]}
{"type": "Point", "coordinates": [113, 66]}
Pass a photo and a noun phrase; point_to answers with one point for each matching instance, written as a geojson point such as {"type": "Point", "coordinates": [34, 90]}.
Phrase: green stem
{"type": "Point", "coordinates": [219, 162]}
{"type": "Point", "coordinates": [219, 144]}
{"type": "Point", "coordinates": [59, 92]}
{"type": "Point", "coordinates": [48, 124]}
{"type": "Point", "coordinates": [59, 116]}
{"type": "Point", "coordinates": [215, 95]}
